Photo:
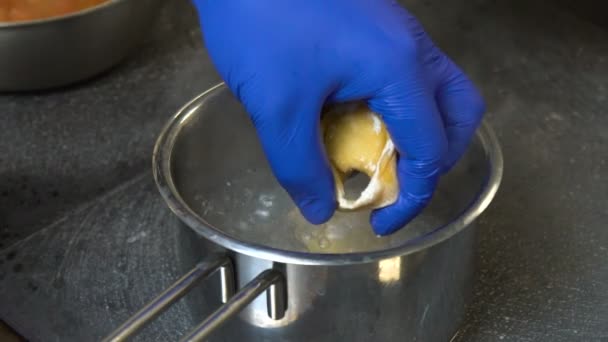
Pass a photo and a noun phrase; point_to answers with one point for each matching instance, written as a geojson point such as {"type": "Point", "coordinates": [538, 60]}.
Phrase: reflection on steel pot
{"type": "Point", "coordinates": [334, 282]}
{"type": "Point", "coordinates": [59, 51]}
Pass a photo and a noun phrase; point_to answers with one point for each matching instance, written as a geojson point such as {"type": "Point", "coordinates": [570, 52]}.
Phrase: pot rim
{"type": "Point", "coordinates": [161, 161]}
{"type": "Point", "coordinates": [51, 20]}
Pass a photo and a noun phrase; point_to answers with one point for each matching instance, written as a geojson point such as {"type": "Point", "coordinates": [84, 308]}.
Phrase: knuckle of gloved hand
{"type": "Point", "coordinates": [406, 49]}
{"type": "Point", "coordinates": [398, 52]}
{"type": "Point", "coordinates": [467, 104]}
{"type": "Point", "coordinates": [470, 113]}
{"type": "Point", "coordinates": [296, 174]}
{"type": "Point", "coordinates": [475, 109]}
{"type": "Point", "coordinates": [269, 112]}
{"type": "Point", "coordinates": [425, 168]}
{"type": "Point", "coordinates": [429, 165]}
{"type": "Point", "coordinates": [418, 201]}
{"type": "Point", "coordinates": [438, 64]}
{"type": "Point", "coordinates": [244, 85]}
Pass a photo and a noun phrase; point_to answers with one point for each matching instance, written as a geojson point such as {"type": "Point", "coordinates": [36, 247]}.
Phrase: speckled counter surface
{"type": "Point", "coordinates": [85, 239]}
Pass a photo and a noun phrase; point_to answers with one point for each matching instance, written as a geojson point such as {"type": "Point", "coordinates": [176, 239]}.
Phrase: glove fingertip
{"type": "Point", "coordinates": [385, 223]}
{"type": "Point", "coordinates": [317, 211]}
{"type": "Point", "coordinates": [388, 220]}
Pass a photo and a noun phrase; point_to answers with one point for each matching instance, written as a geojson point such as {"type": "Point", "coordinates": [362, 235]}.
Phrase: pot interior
{"type": "Point", "coordinates": [215, 176]}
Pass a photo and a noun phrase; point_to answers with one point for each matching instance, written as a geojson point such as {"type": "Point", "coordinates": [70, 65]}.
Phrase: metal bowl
{"type": "Point", "coordinates": [58, 51]}
{"type": "Point", "coordinates": [327, 283]}
{"type": "Point", "coordinates": [212, 172]}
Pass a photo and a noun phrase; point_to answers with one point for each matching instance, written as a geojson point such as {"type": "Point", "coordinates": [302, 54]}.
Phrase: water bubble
{"type": "Point", "coordinates": [243, 225]}
{"type": "Point", "coordinates": [262, 213]}
{"type": "Point", "coordinates": [266, 200]}
{"type": "Point", "coordinates": [324, 242]}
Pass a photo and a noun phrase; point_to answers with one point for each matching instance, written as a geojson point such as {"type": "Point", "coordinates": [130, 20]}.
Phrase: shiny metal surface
{"type": "Point", "coordinates": [342, 282]}
{"type": "Point", "coordinates": [59, 51]}
{"type": "Point", "coordinates": [212, 172]}
{"type": "Point", "coordinates": [276, 300]}
{"type": "Point", "coordinates": [246, 295]}
{"type": "Point", "coordinates": [176, 291]}
{"type": "Point", "coordinates": [270, 280]}
{"type": "Point", "coordinates": [418, 297]}
{"type": "Point", "coordinates": [227, 281]}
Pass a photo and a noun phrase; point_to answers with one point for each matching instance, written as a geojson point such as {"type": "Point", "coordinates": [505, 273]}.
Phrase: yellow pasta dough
{"type": "Point", "coordinates": [356, 139]}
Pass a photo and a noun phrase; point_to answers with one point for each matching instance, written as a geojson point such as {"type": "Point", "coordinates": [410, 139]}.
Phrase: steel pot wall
{"type": "Point", "coordinates": [411, 286]}
{"type": "Point", "coordinates": [418, 297]}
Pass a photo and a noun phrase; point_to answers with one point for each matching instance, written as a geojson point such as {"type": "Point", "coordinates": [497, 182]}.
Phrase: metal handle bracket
{"type": "Point", "coordinates": [271, 281]}
{"type": "Point", "coordinates": [175, 292]}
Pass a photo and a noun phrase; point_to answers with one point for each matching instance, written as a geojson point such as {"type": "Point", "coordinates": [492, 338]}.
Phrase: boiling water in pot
{"type": "Point", "coordinates": [251, 207]}
{"type": "Point", "coordinates": [222, 175]}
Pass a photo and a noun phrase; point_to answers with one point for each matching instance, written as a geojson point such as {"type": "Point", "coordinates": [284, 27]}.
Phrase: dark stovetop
{"type": "Point", "coordinates": [86, 240]}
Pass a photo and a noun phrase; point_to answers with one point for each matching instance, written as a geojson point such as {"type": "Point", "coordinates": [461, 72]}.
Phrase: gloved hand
{"type": "Point", "coordinates": [284, 59]}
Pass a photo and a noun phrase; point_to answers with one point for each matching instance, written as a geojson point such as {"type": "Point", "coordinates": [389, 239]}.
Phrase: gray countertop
{"type": "Point", "coordinates": [85, 239]}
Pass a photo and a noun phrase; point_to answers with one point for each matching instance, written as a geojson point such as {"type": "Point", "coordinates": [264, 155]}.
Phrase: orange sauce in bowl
{"type": "Point", "coordinates": [26, 10]}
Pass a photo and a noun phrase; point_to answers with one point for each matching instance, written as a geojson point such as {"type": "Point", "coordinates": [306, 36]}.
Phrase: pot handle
{"type": "Point", "coordinates": [270, 280]}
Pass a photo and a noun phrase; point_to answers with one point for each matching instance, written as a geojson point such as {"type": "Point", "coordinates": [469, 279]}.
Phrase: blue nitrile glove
{"type": "Point", "coordinates": [285, 58]}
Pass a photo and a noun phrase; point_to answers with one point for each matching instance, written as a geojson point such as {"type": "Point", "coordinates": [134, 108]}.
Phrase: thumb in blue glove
{"type": "Point", "coordinates": [285, 59]}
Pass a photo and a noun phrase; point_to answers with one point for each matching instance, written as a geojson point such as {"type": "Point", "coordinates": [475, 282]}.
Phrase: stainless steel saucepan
{"type": "Point", "coordinates": [58, 51]}
{"type": "Point", "coordinates": [334, 282]}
